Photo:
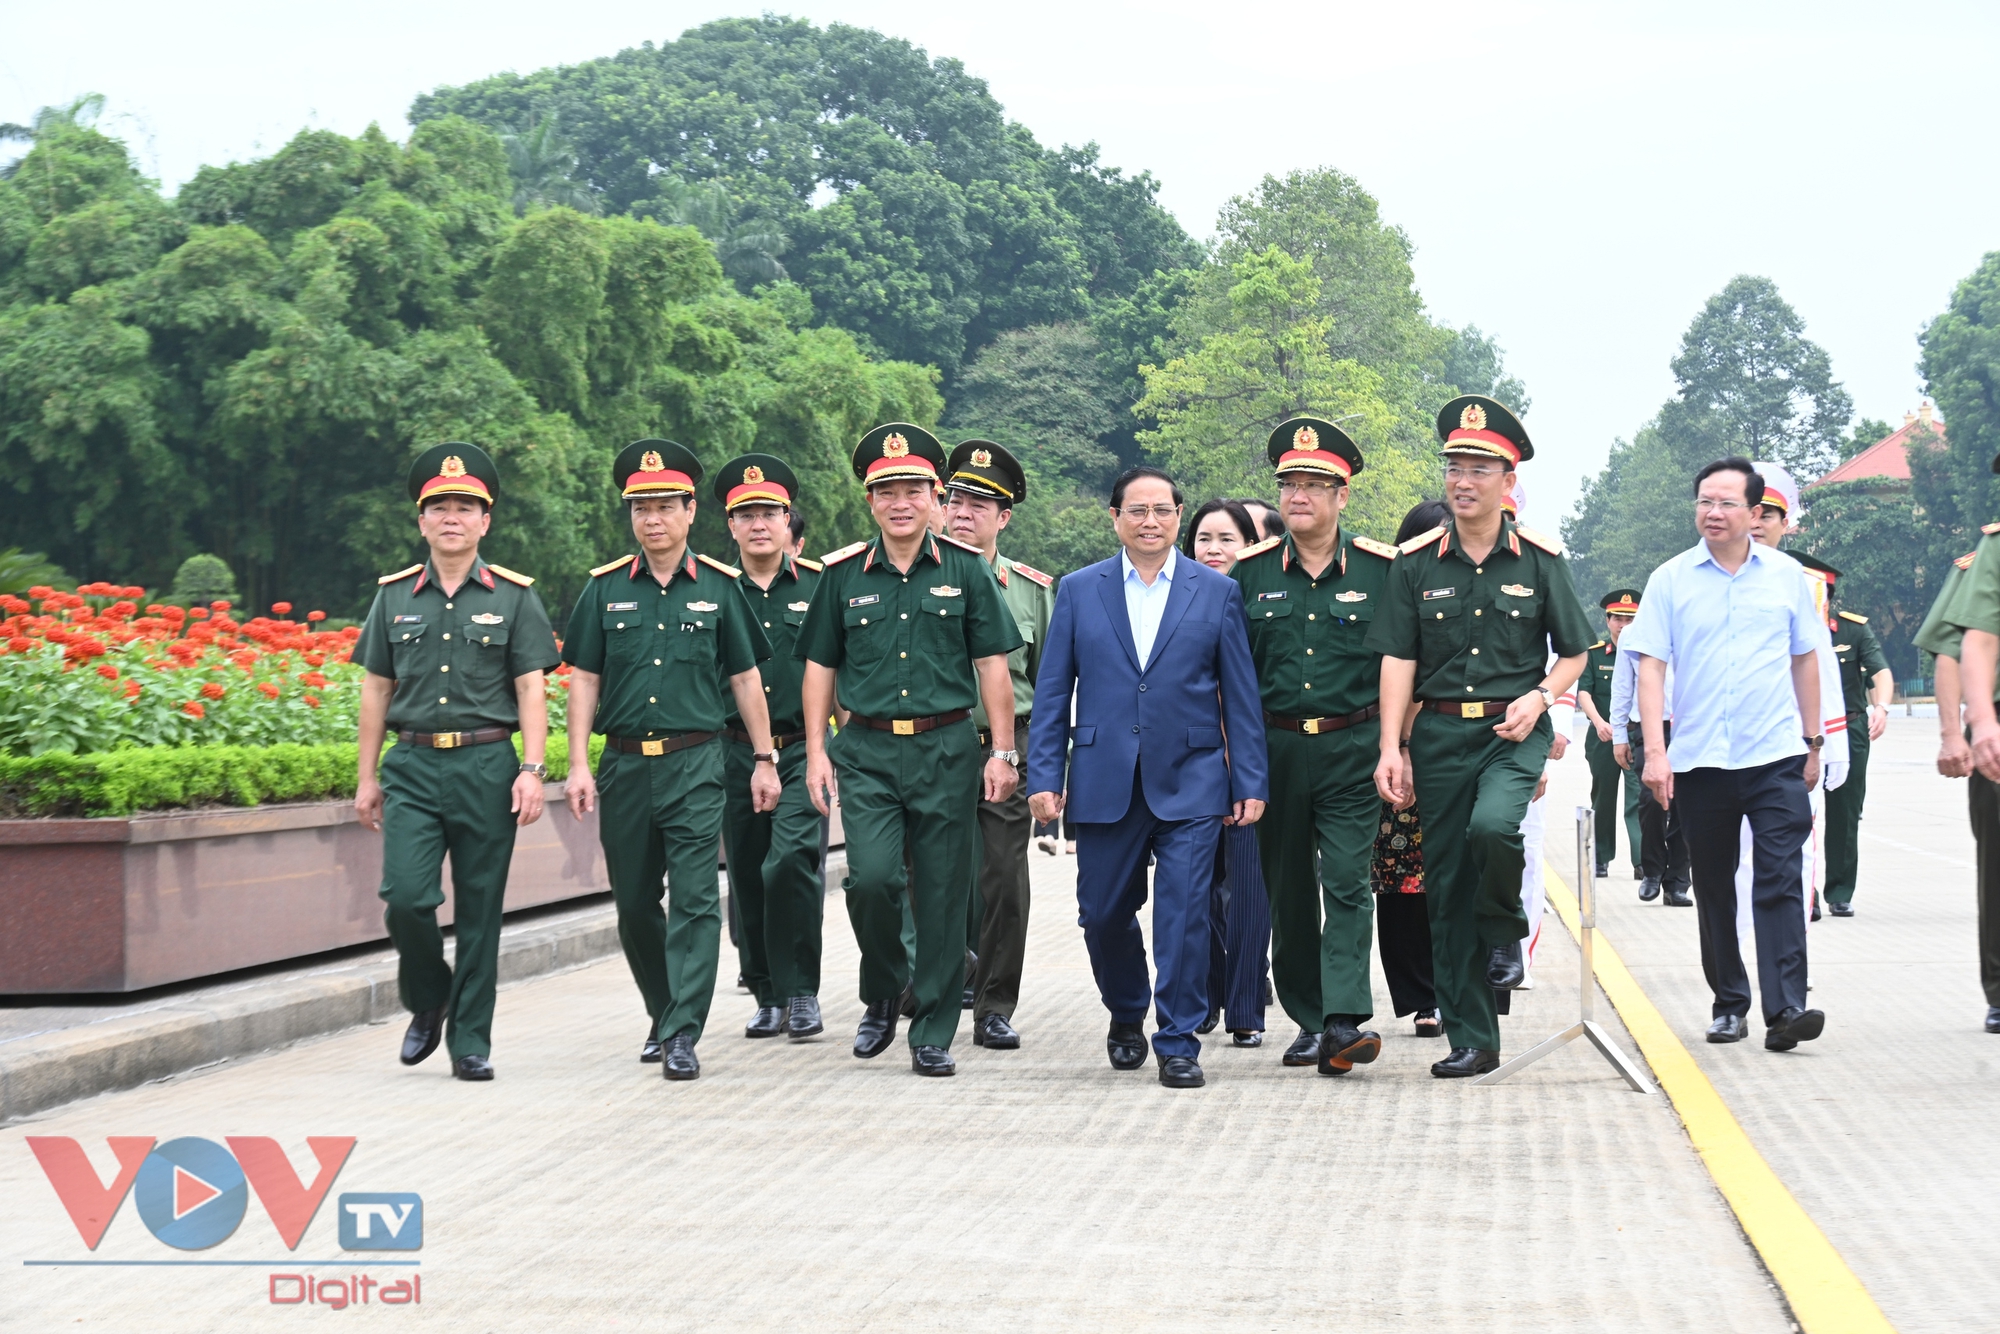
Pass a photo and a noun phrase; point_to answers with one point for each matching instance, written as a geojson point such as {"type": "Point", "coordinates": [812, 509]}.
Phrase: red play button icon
{"type": "Point", "coordinates": [190, 1192]}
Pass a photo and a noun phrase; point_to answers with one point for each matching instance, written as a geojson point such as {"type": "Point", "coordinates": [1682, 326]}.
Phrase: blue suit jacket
{"type": "Point", "coordinates": [1167, 721]}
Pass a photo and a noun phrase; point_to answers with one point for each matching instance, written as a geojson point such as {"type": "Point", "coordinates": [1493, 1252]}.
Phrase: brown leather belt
{"type": "Point", "coordinates": [1314, 726]}
{"type": "Point", "coordinates": [662, 746]}
{"type": "Point", "coordinates": [1020, 730]}
{"type": "Point", "coordinates": [909, 726]}
{"type": "Point", "coordinates": [1471, 708]}
{"type": "Point", "coordinates": [454, 740]}
{"type": "Point", "coordinates": [778, 740]}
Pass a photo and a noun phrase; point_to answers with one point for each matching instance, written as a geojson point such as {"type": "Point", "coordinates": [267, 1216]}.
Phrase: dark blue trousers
{"type": "Point", "coordinates": [1110, 890]}
{"type": "Point", "coordinates": [1239, 931]}
{"type": "Point", "coordinates": [1713, 804]}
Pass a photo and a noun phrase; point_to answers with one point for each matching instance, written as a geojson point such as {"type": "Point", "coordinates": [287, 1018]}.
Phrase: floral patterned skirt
{"type": "Point", "coordinates": [1399, 853]}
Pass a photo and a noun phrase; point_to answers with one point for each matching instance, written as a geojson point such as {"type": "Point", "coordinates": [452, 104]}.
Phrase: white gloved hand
{"type": "Point", "coordinates": [1836, 774]}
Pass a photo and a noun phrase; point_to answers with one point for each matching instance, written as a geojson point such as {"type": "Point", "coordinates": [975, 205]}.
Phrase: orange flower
{"type": "Point", "coordinates": [107, 671]}
{"type": "Point", "coordinates": [310, 616]}
{"type": "Point", "coordinates": [270, 691]}
{"type": "Point", "coordinates": [198, 613]}
{"type": "Point", "coordinates": [132, 689]}
{"type": "Point", "coordinates": [20, 643]}
{"type": "Point", "coordinates": [313, 679]}
{"type": "Point", "coordinates": [312, 701]}
{"type": "Point", "coordinates": [213, 690]}
{"type": "Point", "coordinates": [193, 709]}
{"type": "Point", "coordinates": [218, 605]}
{"type": "Point", "coordinates": [315, 659]}
{"type": "Point", "coordinates": [281, 609]}
{"type": "Point", "coordinates": [132, 591]}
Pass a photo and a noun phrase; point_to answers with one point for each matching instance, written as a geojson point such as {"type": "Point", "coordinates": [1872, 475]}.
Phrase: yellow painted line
{"type": "Point", "coordinates": [1824, 1293]}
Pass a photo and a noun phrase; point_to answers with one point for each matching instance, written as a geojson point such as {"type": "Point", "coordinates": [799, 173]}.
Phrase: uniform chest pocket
{"type": "Point", "coordinates": [696, 640]}
{"type": "Point", "coordinates": [624, 636]}
{"type": "Point", "coordinates": [1354, 617]}
{"type": "Point", "coordinates": [792, 618]}
{"type": "Point", "coordinates": [946, 616]}
{"type": "Point", "coordinates": [1440, 625]}
{"type": "Point", "coordinates": [867, 633]}
{"type": "Point", "coordinates": [486, 650]}
{"type": "Point", "coordinates": [407, 646]}
{"type": "Point", "coordinates": [1519, 619]}
{"type": "Point", "coordinates": [1271, 623]}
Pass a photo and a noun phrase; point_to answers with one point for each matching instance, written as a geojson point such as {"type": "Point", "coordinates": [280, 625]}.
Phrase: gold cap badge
{"type": "Point", "coordinates": [752, 475]}
{"type": "Point", "coordinates": [453, 466]}
{"type": "Point", "coordinates": [895, 447]}
{"type": "Point", "coordinates": [982, 458]}
{"type": "Point", "coordinates": [1305, 438]}
{"type": "Point", "coordinates": [1473, 418]}
{"type": "Point", "coordinates": [650, 461]}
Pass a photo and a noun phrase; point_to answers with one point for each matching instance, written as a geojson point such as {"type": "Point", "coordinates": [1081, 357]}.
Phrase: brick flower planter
{"type": "Point", "coordinates": [123, 904]}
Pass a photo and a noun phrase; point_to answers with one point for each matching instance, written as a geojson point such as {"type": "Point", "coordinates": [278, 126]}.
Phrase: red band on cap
{"type": "Point", "coordinates": [642, 483]}
{"type": "Point", "coordinates": [750, 492]}
{"type": "Point", "coordinates": [906, 465]}
{"type": "Point", "coordinates": [465, 485]}
{"type": "Point", "coordinates": [1319, 460]}
{"type": "Point", "coordinates": [1492, 439]}
{"type": "Point", "coordinates": [1775, 499]}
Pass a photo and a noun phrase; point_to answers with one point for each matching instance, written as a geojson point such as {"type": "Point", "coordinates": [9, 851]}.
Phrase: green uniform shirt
{"type": "Point", "coordinates": [1860, 656]}
{"type": "Point", "coordinates": [1975, 603]}
{"type": "Point", "coordinates": [1479, 632]}
{"type": "Point", "coordinates": [903, 644]}
{"type": "Point", "coordinates": [1309, 636]}
{"type": "Point", "coordinates": [1599, 665]}
{"type": "Point", "coordinates": [454, 657]}
{"type": "Point", "coordinates": [781, 611]}
{"type": "Point", "coordinates": [1030, 595]}
{"type": "Point", "coordinates": [1938, 636]}
{"type": "Point", "coordinates": [664, 650]}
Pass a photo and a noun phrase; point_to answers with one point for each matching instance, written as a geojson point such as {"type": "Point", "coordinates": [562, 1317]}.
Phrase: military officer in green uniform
{"type": "Point", "coordinates": [1866, 684]}
{"type": "Point", "coordinates": [653, 642]}
{"type": "Point", "coordinates": [983, 483]}
{"type": "Point", "coordinates": [455, 652]}
{"type": "Point", "coordinates": [907, 632]}
{"type": "Point", "coordinates": [1310, 597]}
{"type": "Point", "coordinates": [1593, 696]}
{"type": "Point", "coordinates": [1465, 628]}
{"type": "Point", "coordinates": [774, 856]}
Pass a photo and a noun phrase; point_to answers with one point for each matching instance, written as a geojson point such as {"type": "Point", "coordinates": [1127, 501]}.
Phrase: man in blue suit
{"type": "Point", "coordinates": [1166, 748]}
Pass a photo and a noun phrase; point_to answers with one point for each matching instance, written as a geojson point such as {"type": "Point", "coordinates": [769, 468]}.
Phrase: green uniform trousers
{"type": "Point", "coordinates": [1985, 803]}
{"type": "Point", "coordinates": [1605, 775]}
{"type": "Point", "coordinates": [1004, 830]}
{"type": "Point", "coordinates": [1843, 817]}
{"type": "Point", "coordinates": [1474, 790]}
{"type": "Point", "coordinates": [434, 802]}
{"type": "Point", "coordinates": [924, 788]}
{"type": "Point", "coordinates": [660, 819]}
{"type": "Point", "coordinates": [774, 878]}
{"type": "Point", "coordinates": [1317, 842]}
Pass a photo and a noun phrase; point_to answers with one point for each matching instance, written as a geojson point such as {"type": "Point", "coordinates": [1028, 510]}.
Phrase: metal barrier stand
{"type": "Point", "coordinates": [1586, 1025]}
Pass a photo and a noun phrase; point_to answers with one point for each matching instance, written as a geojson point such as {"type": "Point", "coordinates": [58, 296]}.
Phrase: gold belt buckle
{"type": "Point", "coordinates": [903, 726]}
{"type": "Point", "coordinates": [1472, 710]}
{"type": "Point", "coordinates": [444, 740]}
{"type": "Point", "coordinates": [1310, 726]}
{"type": "Point", "coordinates": [652, 747]}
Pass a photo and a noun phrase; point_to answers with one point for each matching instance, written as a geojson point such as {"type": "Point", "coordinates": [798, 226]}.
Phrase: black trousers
{"type": "Point", "coordinates": [1985, 811]}
{"type": "Point", "coordinates": [1713, 804]}
{"type": "Point", "coordinates": [1403, 927]}
{"type": "Point", "coordinates": [1663, 849]}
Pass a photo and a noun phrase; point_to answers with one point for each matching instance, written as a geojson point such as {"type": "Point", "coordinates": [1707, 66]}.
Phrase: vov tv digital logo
{"type": "Point", "coordinates": [192, 1193]}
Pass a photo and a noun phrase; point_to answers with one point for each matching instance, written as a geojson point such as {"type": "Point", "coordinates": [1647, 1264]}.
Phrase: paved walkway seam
{"type": "Point", "coordinates": [1825, 1295]}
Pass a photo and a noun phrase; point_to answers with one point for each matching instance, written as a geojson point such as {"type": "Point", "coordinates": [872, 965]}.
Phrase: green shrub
{"type": "Point", "coordinates": [202, 580]}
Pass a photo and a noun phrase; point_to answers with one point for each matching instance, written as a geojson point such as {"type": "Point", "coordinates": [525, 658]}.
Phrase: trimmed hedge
{"type": "Point", "coordinates": [122, 782]}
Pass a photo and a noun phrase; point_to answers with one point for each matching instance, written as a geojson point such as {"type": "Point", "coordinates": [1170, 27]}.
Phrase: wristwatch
{"type": "Point", "coordinates": [1011, 756]}
{"type": "Point", "coordinates": [538, 770]}
{"type": "Point", "coordinates": [768, 756]}
{"type": "Point", "coordinates": [1548, 696]}
{"type": "Point", "coordinates": [1815, 742]}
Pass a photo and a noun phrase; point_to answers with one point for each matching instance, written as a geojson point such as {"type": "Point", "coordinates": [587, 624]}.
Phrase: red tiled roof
{"type": "Point", "coordinates": [1888, 457]}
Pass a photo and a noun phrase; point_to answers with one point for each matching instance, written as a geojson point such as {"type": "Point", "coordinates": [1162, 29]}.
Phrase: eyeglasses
{"type": "Point", "coordinates": [1307, 488]}
{"type": "Point", "coordinates": [1139, 513]}
{"type": "Point", "coordinates": [1455, 471]}
{"type": "Point", "coordinates": [1725, 506]}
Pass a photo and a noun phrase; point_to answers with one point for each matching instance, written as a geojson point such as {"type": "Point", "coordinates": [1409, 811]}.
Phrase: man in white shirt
{"type": "Point", "coordinates": [1663, 849]}
{"type": "Point", "coordinates": [1737, 624]}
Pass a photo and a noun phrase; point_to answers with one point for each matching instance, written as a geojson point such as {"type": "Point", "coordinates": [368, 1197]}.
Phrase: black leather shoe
{"type": "Point", "coordinates": [1428, 1024]}
{"type": "Point", "coordinates": [1343, 1046]}
{"type": "Point", "coordinates": [1465, 1062]}
{"type": "Point", "coordinates": [1181, 1072]}
{"type": "Point", "coordinates": [420, 1039]}
{"type": "Point", "coordinates": [680, 1062]}
{"type": "Point", "coordinates": [1603, 870]}
{"type": "Point", "coordinates": [475, 1068]}
{"type": "Point", "coordinates": [768, 1022]}
{"type": "Point", "coordinates": [906, 1004]}
{"type": "Point", "coordinates": [1728, 1028]}
{"type": "Point", "coordinates": [804, 1021]}
{"type": "Point", "coordinates": [1304, 1049]}
{"type": "Point", "coordinates": [741, 985]}
{"type": "Point", "coordinates": [1814, 915]}
{"type": "Point", "coordinates": [650, 1053]}
{"type": "Point", "coordinates": [1993, 1018]}
{"type": "Point", "coordinates": [1793, 1026]}
{"type": "Point", "coordinates": [1840, 909]}
{"type": "Point", "coordinates": [1504, 968]}
{"type": "Point", "coordinates": [933, 1061]}
{"type": "Point", "coordinates": [877, 1031]}
{"type": "Point", "coordinates": [1207, 1025]}
{"type": "Point", "coordinates": [1246, 1037]}
{"type": "Point", "coordinates": [994, 1031]}
{"type": "Point", "coordinates": [1649, 889]}
{"type": "Point", "coordinates": [1126, 1045]}
{"type": "Point", "coordinates": [1676, 896]}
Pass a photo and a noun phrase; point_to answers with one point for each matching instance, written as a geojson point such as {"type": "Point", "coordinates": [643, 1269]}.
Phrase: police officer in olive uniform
{"type": "Point", "coordinates": [654, 640]}
{"type": "Point", "coordinates": [774, 856]}
{"type": "Point", "coordinates": [1865, 685]}
{"type": "Point", "coordinates": [1310, 597]}
{"type": "Point", "coordinates": [1465, 627]}
{"type": "Point", "coordinates": [455, 651]}
{"type": "Point", "coordinates": [983, 483]}
{"type": "Point", "coordinates": [908, 631]}
{"type": "Point", "coordinates": [1593, 696]}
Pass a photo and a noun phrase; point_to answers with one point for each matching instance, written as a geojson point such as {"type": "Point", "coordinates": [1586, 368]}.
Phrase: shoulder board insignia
{"type": "Point", "coordinates": [1965, 562]}
{"type": "Point", "coordinates": [714, 564]}
{"type": "Point", "coordinates": [1990, 528]}
{"type": "Point", "coordinates": [1032, 574]}
{"type": "Point", "coordinates": [1598, 644]}
{"type": "Point", "coordinates": [812, 565]}
{"type": "Point", "coordinates": [404, 574]}
{"type": "Point", "coordinates": [509, 575]}
{"type": "Point", "coordinates": [1422, 540]}
{"type": "Point", "coordinates": [1850, 616]}
{"type": "Point", "coordinates": [1548, 544]}
{"type": "Point", "coordinates": [853, 549]}
{"type": "Point", "coordinates": [947, 537]}
{"type": "Point", "coordinates": [611, 565]}
{"type": "Point", "coordinates": [1258, 548]}
{"type": "Point", "coordinates": [1385, 550]}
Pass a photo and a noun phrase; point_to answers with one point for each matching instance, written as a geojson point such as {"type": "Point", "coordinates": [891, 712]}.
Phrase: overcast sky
{"type": "Point", "coordinates": [1577, 177]}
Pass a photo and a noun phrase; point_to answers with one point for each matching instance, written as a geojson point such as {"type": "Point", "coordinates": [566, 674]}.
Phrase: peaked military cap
{"type": "Point", "coordinates": [755, 479]}
{"type": "Point", "coordinates": [982, 468]}
{"type": "Point", "coordinates": [655, 468]}
{"type": "Point", "coordinates": [1620, 602]}
{"type": "Point", "coordinates": [454, 469]}
{"type": "Point", "coordinates": [897, 450]}
{"type": "Point", "coordinates": [1476, 424]}
{"type": "Point", "coordinates": [1815, 563]}
{"type": "Point", "coordinates": [1313, 444]}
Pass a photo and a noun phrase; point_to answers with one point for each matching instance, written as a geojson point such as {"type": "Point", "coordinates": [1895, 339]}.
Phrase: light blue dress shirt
{"type": "Point", "coordinates": [1729, 641]}
{"type": "Point", "coordinates": [1625, 698]}
{"type": "Point", "coordinates": [1146, 603]}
